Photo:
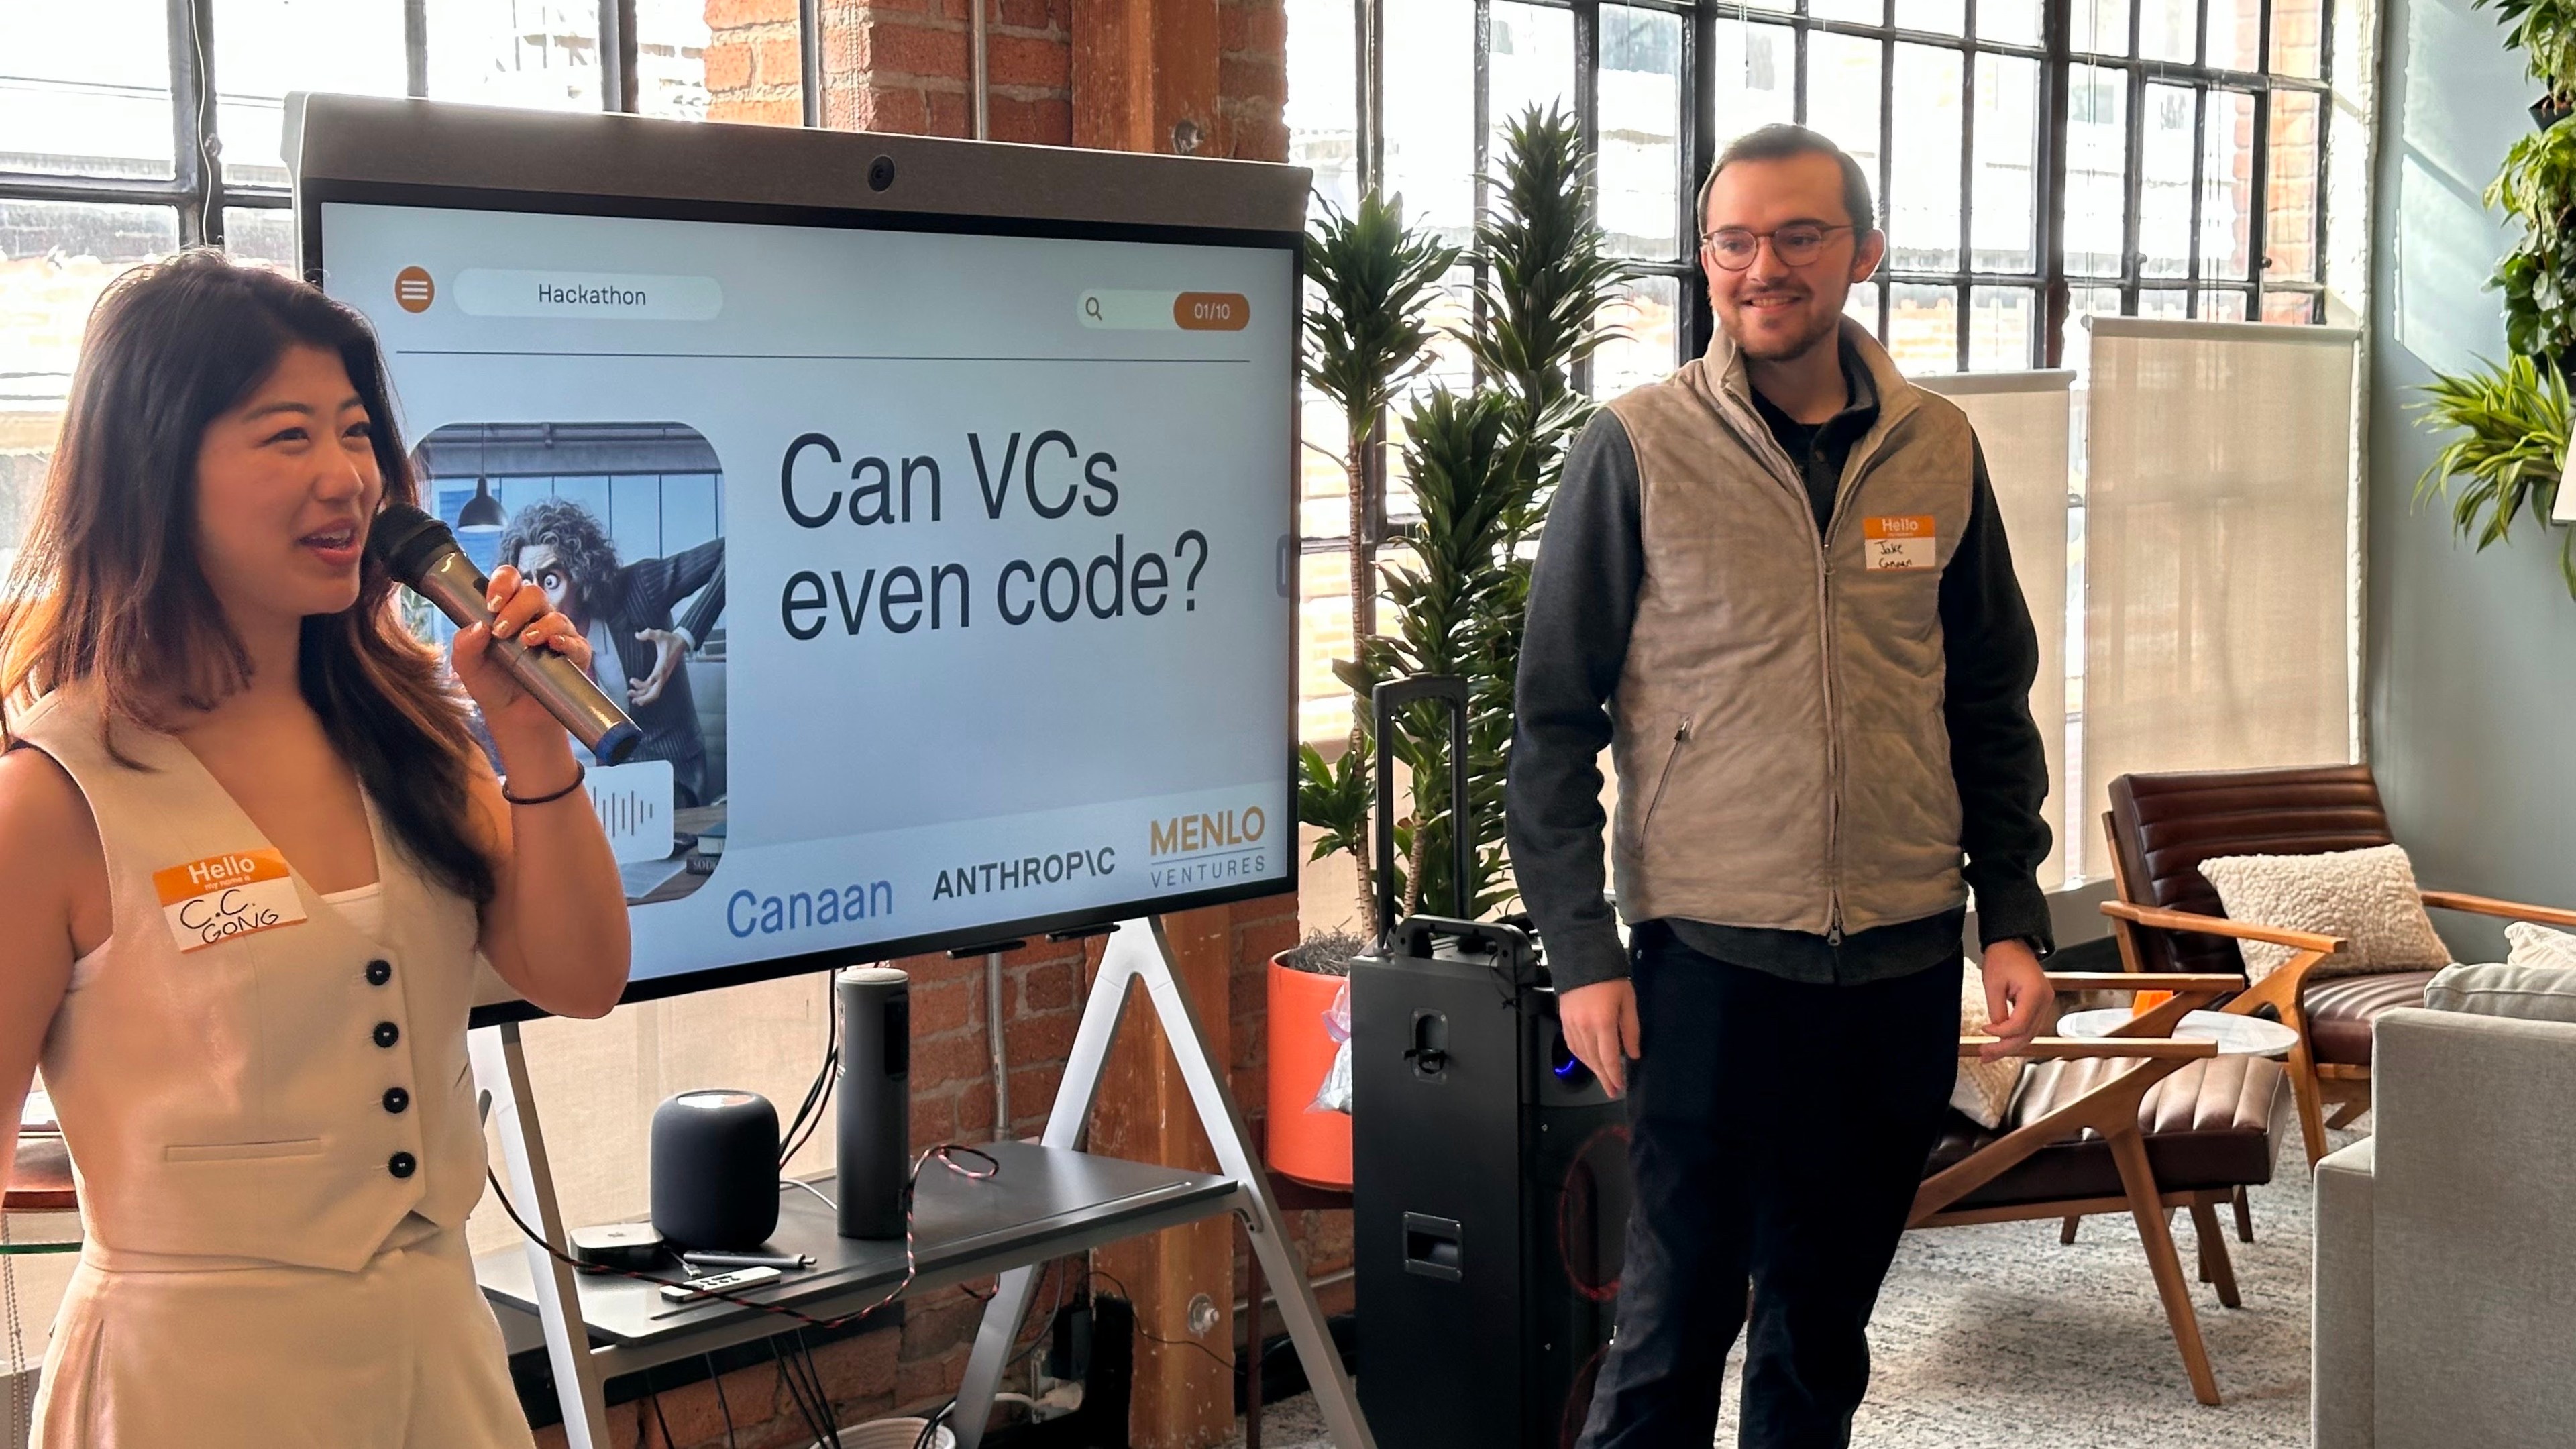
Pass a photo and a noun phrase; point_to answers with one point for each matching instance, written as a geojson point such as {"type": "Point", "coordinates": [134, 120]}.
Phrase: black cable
{"type": "Point", "coordinates": [820, 1427]}
{"type": "Point", "coordinates": [820, 1089]}
{"type": "Point", "coordinates": [722, 1406]}
{"type": "Point", "coordinates": [831, 1434]}
{"type": "Point", "coordinates": [1150, 1337]}
{"type": "Point", "coordinates": [945, 1154]}
{"type": "Point", "coordinates": [655, 1395]}
{"type": "Point", "coordinates": [929, 1434]}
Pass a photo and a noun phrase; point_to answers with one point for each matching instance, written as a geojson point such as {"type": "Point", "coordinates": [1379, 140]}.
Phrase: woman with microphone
{"type": "Point", "coordinates": [253, 857]}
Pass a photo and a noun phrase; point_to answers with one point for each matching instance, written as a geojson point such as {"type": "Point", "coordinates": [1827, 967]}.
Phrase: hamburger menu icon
{"type": "Point", "coordinates": [413, 290]}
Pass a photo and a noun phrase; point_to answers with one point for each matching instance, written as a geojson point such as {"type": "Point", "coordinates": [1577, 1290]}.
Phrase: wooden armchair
{"type": "Point", "coordinates": [2124, 1123]}
{"type": "Point", "coordinates": [2169, 917]}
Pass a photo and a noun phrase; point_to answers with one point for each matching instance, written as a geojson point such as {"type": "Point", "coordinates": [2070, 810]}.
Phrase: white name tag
{"type": "Point", "coordinates": [239, 893]}
{"type": "Point", "coordinates": [1904, 541]}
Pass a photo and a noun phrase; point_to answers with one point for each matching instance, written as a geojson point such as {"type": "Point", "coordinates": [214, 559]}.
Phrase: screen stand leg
{"type": "Point", "coordinates": [501, 1079]}
{"type": "Point", "coordinates": [1137, 953]}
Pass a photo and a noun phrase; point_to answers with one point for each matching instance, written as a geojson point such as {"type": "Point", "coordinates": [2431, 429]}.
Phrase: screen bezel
{"type": "Point", "coordinates": [313, 193]}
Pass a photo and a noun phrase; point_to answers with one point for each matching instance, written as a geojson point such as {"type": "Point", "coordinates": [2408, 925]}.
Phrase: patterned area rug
{"type": "Point", "coordinates": [1996, 1335]}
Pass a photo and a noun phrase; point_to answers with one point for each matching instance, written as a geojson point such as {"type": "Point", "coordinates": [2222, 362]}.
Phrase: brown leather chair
{"type": "Point", "coordinates": [2169, 918]}
{"type": "Point", "coordinates": [2140, 1123]}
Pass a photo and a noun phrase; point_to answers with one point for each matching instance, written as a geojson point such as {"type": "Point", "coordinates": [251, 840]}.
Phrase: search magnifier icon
{"type": "Point", "coordinates": [1091, 308]}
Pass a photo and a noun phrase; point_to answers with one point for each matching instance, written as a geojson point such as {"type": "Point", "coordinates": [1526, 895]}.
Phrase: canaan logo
{"type": "Point", "coordinates": [1224, 830]}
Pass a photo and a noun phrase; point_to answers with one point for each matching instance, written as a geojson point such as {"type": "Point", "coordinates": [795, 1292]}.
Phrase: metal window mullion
{"type": "Point", "coordinates": [809, 61]}
{"type": "Point", "coordinates": [1967, 185]}
{"type": "Point", "coordinates": [2258, 237]}
{"type": "Point", "coordinates": [1886, 168]}
{"type": "Point", "coordinates": [2056, 82]}
{"type": "Point", "coordinates": [2325, 118]}
{"type": "Point", "coordinates": [618, 91]}
{"type": "Point", "coordinates": [1480, 193]}
{"type": "Point", "coordinates": [416, 49]}
{"type": "Point", "coordinates": [200, 163]}
{"type": "Point", "coordinates": [2199, 150]}
{"type": "Point", "coordinates": [1369, 18]}
{"type": "Point", "coordinates": [2133, 202]}
{"type": "Point", "coordinates": [1700, 58]}
{"type": "Point", "coordinates": [1587, 110]}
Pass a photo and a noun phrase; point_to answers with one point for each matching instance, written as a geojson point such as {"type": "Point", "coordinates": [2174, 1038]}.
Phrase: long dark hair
{"type": "Point", "coordinates": [108, 587]}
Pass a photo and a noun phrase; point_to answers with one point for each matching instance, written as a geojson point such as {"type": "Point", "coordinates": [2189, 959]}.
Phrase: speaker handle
{"type": "Point", "coordinates": [1384, 700]}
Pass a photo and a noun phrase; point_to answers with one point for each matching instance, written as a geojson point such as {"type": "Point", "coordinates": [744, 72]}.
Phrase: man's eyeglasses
{"type": "Point", "coordinates": [1795, 245]}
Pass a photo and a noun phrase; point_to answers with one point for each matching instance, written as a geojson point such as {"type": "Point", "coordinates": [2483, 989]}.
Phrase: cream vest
{"type": "Point", "coordinates": [1783, 760]}
{"type": "Point", "coordinates": [281, 1096]}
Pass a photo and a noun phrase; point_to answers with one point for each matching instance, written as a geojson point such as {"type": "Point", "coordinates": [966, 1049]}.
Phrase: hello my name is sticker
{"type": "Point", "coordinates": [239, 893]}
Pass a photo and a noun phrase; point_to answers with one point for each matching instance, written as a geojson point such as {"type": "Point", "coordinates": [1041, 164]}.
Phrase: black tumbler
{"type": "Point", "coordinates": [872, 1139]}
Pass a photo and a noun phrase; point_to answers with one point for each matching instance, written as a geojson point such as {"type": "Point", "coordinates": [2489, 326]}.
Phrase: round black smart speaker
{"type": "Point", "coordinates": [715, 1170]}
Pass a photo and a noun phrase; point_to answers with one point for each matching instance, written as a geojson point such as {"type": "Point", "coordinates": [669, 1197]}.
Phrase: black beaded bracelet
{"type": "Point", "coordinates": [580, 772]}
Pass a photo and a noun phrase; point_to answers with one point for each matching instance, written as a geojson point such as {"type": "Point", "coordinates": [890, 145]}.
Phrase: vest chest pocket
{"type": "Point", "coordinates": [242, 1151]}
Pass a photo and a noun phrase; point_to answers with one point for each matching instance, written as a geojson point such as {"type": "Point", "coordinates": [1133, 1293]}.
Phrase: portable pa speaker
{"type": "Point", "coordinates": [1490, 1192]}
{"type": "Point", "coordinates": [714, 1170]}
{"type": "Point", "coordinates": [872, 1134]}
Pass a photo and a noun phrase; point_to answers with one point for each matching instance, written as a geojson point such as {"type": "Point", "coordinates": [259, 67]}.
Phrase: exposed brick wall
{"type": "Point", "coordinates": [903, 65]}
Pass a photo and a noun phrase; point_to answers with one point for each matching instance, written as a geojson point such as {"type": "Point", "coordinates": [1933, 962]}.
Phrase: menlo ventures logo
{"type": "Point", "coordinates": [1209, 848]}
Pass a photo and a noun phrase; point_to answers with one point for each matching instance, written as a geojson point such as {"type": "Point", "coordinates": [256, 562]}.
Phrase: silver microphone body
{"type": "Point", "coordinates": [430, 562]}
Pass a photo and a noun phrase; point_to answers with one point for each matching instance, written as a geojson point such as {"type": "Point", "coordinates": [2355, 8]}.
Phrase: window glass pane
{"type": "Point", "coordinates": [1649, 315]}
{"type": "Point", "coordinates": [2097, 153]}
{"type": "Point", "coordinates": [2100, 27]}
{"type": "Point", "coordinates": [1861, 305]}
{"type": "Point", "coordinates": [85, 88]}
{"type": "Point", "coordinates": [1430, 138]}
{"type": "Point", "coordinates": [1923, 328]}
{"type": "Point", "coordinates": [261, 234]}
{"type": "Point", "coordinates": [2005, 220]}
{"type": "Point", "coordinates": [2222, 306]}
{"type": "Point", "coordinates": [1755, 74]}
{"type": "Point", "coordinates": [1947, 17]}
{"type": "Point", "coordinates": [1859, 12]}
{"type": "Point", "coordinates": [55, 258]}
{"type": "Point", "coordinates": [2226, 184]}
{"type": "Point", "coordinates": [1530, 63]}
{"type": "Point", "coordinates": [2168, 302]}
{"type": "Point", "coordinates": [2298, 28]}
{"type": "Point", "coordinates": [265, 48]}
{"type": "Point", "coordinates": [2296, 308]}
{"type": "Point", "coordinates": [1323, 635]}
{"type": "Point", "coordinates": [2164, 195]}
{"type": "Point", "coordinates": [2290, 195]}
{"type": "Point", "coordinates": [2014, 22]}
{"type": "Point", "coordinates": [671, 62]}
{"type": "Point", "coordinates": [2236, 34]}
{"type": "Point", "coordinates": [1322, 112]}
{"type": "Point", "coordinates": [2083, 302]}
{"type": "Point", "coordinates": [537, 53]}
{"type": "Point", "coordinates": [1842, 98]}
{"type": "Point", "coordinates": [2001, 323]}
{"type": "Point", "coordinates": [1641, 106]}
{"type": "Point", "coordinates": [2169, 29]}
{"type": "Point", "coordinates": [1923, 207]}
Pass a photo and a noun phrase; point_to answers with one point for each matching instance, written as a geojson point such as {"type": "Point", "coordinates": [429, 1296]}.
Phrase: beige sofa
{"type": "Point", "coordinates": [2445, 1308]}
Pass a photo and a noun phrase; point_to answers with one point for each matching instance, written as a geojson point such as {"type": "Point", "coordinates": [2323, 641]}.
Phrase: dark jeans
{"type": "Point", "coordinates": [1779, 1131]}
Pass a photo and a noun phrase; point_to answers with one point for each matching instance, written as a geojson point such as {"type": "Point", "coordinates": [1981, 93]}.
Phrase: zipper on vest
{"type": "Point", "coordinates": [1681, 735]}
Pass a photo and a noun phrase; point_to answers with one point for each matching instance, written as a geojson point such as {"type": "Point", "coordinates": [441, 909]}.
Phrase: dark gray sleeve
{"type": "Point", "coordinates": [1583, 598]}
{"type": "Point", "coordinates": [1996, 753]}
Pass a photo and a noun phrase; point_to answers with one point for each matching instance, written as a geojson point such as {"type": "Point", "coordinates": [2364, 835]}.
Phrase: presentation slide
{"type": "Point", "coordinates": [947, 576]}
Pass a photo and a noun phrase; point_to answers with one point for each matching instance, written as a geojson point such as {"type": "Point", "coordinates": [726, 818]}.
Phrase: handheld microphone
{"type": "Point", "coordinates": [420, 552]}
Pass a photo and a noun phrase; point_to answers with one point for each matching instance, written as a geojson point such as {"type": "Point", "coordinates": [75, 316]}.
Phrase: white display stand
{"type": "Point", "coordinates": [1137, 953]}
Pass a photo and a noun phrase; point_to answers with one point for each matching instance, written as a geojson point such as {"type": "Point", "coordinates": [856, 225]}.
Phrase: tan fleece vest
{"type": "Point", "coordinates": [1783, 760]}
{"type": "Point", "coordinates": [227, 1104]}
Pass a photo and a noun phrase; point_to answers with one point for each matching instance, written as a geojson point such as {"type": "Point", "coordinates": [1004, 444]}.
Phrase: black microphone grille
{"type": "Point", "coordinates": [407, 541]}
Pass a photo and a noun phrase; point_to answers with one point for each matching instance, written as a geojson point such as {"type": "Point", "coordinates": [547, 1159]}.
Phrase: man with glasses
{"type": "Point", "coordinates": [1776, 586]}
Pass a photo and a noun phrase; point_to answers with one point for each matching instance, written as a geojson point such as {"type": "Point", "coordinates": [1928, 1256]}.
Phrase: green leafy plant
{"type": "Point", "coordinates": [1367, 335]}
{"type": "Point", "coordinates": [2512, 449]}
{"type": "Point", "coordinates": [2545, 32]}
{"type": "Point", "coordinates": [2537, 188]}
{"type": "Point", "coordinates": [2509, 421]}
{"type": "Point", "coordinates": [1483, 465]}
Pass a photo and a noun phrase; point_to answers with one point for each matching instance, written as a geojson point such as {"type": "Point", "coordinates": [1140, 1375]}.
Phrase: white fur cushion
{"type": "Point", "coordinates": [2539, 946]}
{"type": "Point", "coordinates": [2368, 897]}
{"type": "Point", "coordinates": [1984, 1090]}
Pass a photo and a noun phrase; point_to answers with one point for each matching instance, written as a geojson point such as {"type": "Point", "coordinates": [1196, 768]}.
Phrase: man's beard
{"type": "Point", "coordinates": [1827, 328]}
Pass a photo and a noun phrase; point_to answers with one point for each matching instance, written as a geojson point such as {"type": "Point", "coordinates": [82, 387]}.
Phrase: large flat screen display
{"type": "Point", "coordinates": [945, 562]}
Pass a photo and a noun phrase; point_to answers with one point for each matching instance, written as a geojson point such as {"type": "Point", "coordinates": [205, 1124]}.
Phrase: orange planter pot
{"type": "Point", "coordinates": [1312, 1147]}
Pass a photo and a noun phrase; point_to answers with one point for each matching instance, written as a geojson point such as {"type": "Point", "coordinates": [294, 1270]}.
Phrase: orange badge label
{"type": "Point", "coordinates": [239, 893]}
{"type": "Point", "coordinates": [1899, 541]}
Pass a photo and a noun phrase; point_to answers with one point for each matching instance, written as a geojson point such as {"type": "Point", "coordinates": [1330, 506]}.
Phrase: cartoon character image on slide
{"type": "Point", "coordinates": [622, 524]}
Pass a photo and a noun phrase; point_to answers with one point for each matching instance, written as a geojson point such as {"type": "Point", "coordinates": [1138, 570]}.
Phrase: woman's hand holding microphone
{"type": "Point", "coordinates": [534, 746]}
